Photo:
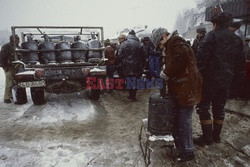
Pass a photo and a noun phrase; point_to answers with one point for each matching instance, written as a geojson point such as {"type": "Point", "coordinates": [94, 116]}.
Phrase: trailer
{"type": "Point", "coordinates": [58, 59]}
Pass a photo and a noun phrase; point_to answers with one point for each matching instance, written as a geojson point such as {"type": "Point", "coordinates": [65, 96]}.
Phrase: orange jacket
{"type": "Point", "coordinates": [110, 54]}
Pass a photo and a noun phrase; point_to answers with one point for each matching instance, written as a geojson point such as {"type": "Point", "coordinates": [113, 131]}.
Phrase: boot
{"type": "Point", "coordinates": [216, 132]}
{"type": "Point", "coordinates": [207, 136]}
{"type": "Point", "coordinates": [7, 101]}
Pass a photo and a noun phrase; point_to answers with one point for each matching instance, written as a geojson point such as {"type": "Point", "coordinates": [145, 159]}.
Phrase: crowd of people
{"type": "Point", "coordinates": [198, 76]}
{"type": "Point", "coordinates": [202, 75]}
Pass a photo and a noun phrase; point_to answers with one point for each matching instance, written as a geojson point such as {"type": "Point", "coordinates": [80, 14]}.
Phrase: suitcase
{"type": "Point", "coordinates": [160, 114]}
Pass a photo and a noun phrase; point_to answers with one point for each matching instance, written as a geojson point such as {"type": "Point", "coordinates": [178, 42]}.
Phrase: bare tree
{"type": "Point", "coordinates": [194, 16]}
{"type": "Point", "coordinates": [202, 5]}
{"type": "Point", "coordinates": [208, 3]}
{"type": "Point", "coordinates": [181, 24]}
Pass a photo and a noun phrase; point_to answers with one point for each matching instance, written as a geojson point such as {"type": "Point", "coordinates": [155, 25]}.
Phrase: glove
{"type": "Point", "coordinates": [163, 75]}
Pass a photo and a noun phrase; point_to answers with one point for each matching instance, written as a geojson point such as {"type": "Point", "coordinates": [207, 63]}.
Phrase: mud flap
{"type": "Point", "coordinates": [19, 95]}
{"type": "Point", "coordinates": [37, 95]}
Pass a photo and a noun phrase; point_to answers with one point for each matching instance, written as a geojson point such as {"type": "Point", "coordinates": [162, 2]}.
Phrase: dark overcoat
{"type": "Point", "coordinates": [220, 57]}
{"type": "Point", "coordinates": [132, 54]}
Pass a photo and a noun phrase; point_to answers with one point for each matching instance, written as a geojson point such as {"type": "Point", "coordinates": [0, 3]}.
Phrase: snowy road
{"type": "Point", "coordinates": [69, 130]}
{"type": "Point", "coordinates": [47, 135]}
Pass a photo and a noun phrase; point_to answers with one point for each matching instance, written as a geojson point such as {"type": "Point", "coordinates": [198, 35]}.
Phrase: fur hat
{"type": "Point", "coordinates": [157, 35]}
{"type": "Point", "coordinates": [247, 38]}
{"type": "Point", "coordinates": [221, 18]}
{"type": "Point", "coordinates": [236, 23]}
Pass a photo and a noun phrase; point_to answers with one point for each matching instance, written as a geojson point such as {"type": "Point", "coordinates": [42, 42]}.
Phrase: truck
{"type": "Point", "coordinates": [57, 59]}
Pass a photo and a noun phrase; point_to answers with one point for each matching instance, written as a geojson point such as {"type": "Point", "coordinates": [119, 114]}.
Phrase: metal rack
{"type": "Point", "coordinates": [147, 148]}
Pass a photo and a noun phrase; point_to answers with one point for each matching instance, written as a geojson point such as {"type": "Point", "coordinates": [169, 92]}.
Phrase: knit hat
{"type": "Point", "coordinates": [157, 35]}
{"type": "Point", "coordinates": [122, 36]}
{"type": "Point", "coordinates": [107, 42]}
{"type": "Point", "coordinates": [12, 38]}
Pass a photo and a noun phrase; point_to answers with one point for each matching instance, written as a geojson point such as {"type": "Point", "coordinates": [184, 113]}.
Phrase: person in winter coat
{"type": "Point", "coordinates": [218, 59]}
{"type": "Point", "coordinates": [109, 53]}
{"type": "Point", "coordinates": [184, 84]}
{"type": "Point", "coordinates": [247, 47]}
{"type": "Point", "coordinates": [119, 59]}
{"type": "Point", "coordinates": [155, 61]}
{"type": "Point", "coordinates": [201, 32]}
{"type": "Point", "coordinates": [235, 25]}
{"type": "Point", "coordinates": [247, 57]}
{"type": "Point", "coordinates": [8, 55]}
{"type": "Point", "coordinates": [131, 52]}
{"type": "Point", "coordinates": [237, 88]}
{"type": "Point", "coordinates": [146, 48]}
{"type": "Point", "coordinates": [153, 58]}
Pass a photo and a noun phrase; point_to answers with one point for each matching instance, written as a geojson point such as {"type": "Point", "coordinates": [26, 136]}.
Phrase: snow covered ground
{"type": "Point", "coordinates": [71, 130]}
{"type": "Point", "coordinates": [2, 82]}
{"type": "Point", "coordinates": [24, 122]}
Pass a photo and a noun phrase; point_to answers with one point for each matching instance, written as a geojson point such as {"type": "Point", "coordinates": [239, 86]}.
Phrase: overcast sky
{"type": "Point", "coordinates": [113, 15]}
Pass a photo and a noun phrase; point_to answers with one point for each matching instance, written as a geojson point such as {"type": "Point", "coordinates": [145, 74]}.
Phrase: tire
{"type": "Point", "coordinates": [95, 94]}
{"type": "Point", "coordinates": [37, 95]}
{"type": "Point", "coordinates": [19, 95]}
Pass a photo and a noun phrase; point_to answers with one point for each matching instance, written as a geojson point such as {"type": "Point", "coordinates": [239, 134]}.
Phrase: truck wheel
{"type": "Point", "coordinates": [95, 94]}
{"type": "Point", "coordinates": [19, 95]}
{"type": "Point", "coordinates": [37, 95]}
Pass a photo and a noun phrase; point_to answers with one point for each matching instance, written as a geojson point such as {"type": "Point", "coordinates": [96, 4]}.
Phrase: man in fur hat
{"type": "Point", "coordinates": [218, 60]}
